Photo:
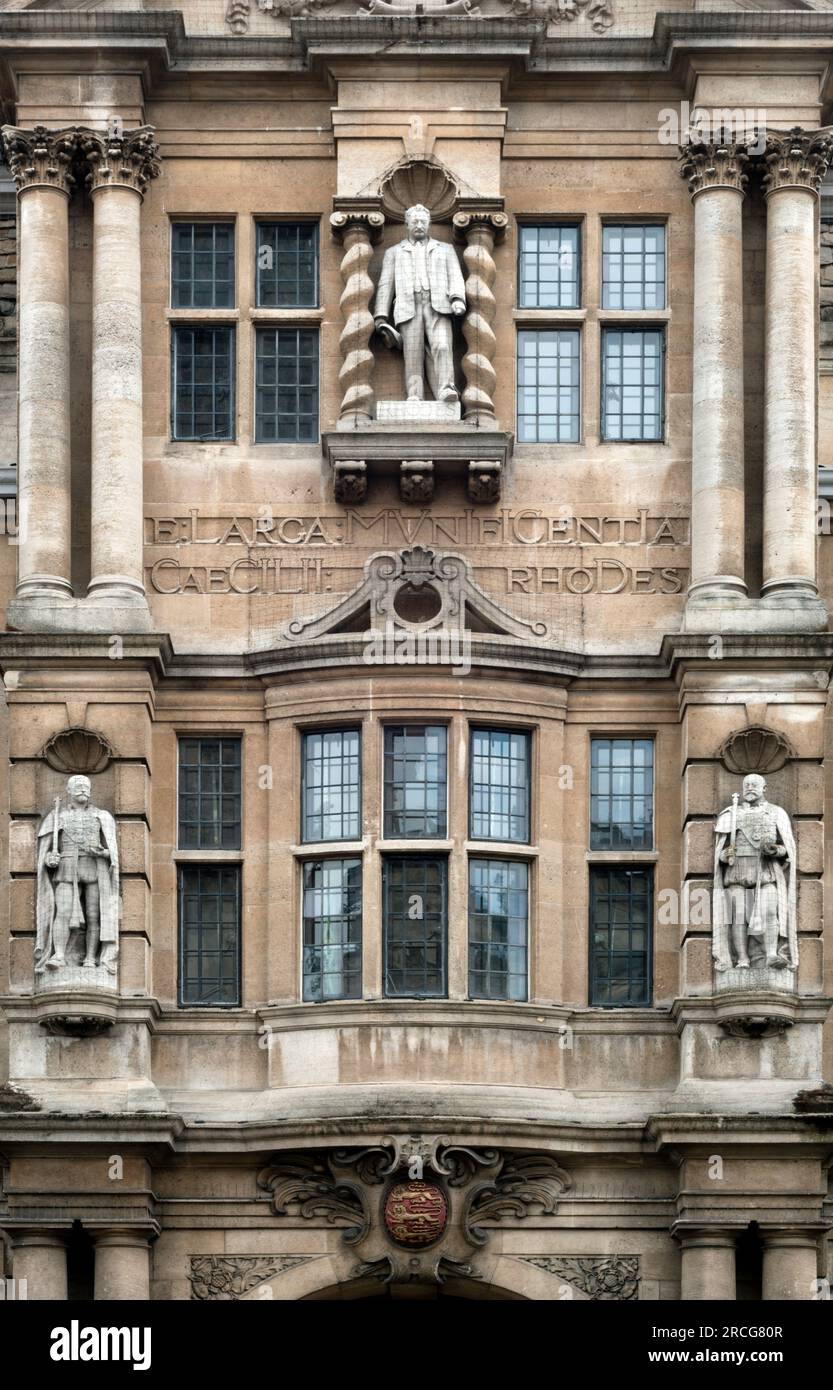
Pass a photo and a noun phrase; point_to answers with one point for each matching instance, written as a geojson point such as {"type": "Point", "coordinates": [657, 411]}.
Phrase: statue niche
{"type": "Point", "coordinates": [77, 939]}
{"type": "Point", "coordinates": [755, 943]}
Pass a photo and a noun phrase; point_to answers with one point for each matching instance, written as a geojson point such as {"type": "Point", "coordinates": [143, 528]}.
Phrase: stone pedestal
{"type": "Point", "coordinates": [40, 1258]}
{"type": "Point", "coordinates": [708, 1265]}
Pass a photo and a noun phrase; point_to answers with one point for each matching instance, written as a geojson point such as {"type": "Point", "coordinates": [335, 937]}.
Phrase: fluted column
{"type": "Point", "coordinates": [716, 178]}
{"type": "Point", "coordinates": [40, 1258]}
{"type": "Point", "coordinates": [479, 230]}
{"type": "Point", "coordinates": [790, 1266]}
{"type": "Point", "coordinates": [708, 1265]}
{"type": "Point", "coordinates": [42, 165]}
{"type": "Point", "coordinates": [357, 231]}
{"type": "Point", "coordinates": [122, 1264]}
{"type": "Point", "coordinates": [121, 167]}
{"type": "Point", "coordinates": [795, 166]}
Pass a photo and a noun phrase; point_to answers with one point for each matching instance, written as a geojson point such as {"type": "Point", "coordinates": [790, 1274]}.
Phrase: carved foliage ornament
{"type": "Point", "coordinates": [797, 160]}
{"type": "Point", "coordinates": [61, 158]}
{"type": "Point", "coordinates": [714, 164]}
{"type": "Point", "coordinates": [225, 1278]}
{"type": "Point", "coordinates": [40, 156]}
{"type": "Point", "coordinates": [129, 158]}
{"type": "Point", "coordinates": [599, 13]}
{"type": "Point", "coordinates": [604, 1279]}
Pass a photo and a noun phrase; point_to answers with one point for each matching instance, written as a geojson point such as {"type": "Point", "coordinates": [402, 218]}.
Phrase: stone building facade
{"type": "Point", "coordinates": [414, 821]}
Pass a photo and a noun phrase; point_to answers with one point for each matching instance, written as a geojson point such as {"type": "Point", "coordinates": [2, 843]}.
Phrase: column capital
{"type": "Point", "coordinates": [471, 219]}
{"type": "Point", "coordinates": [369, 220]}
{"type": "Point", "coordinates": [127, 159]}
{"type": "Point", "coordinates": [797, 159]}
{"type": "Point", "coordinates": [40, 157]}
{"type": "Point", "coordinates": [714, 164]}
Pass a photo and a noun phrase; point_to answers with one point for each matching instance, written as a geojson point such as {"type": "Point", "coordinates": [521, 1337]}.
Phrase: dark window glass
{"type": "Point", "coordinates": [415, 926]}
{"type": "Point", "coordinates": [548, 386]}
{"type": "Point", "coordinates": [286, 386]}
{"type": "Point", "coordinates": [209, 793]}
{"type": "Point", "coordinates": [202, 382]}
{"type": "Point", "coordinates": [415, 782]}
{"type": "Point", "coordinates": [498, 916]}
{"type": "Point", "coordinates": [332, 929]}
{"type": "Point", "coordinates": [633, 267]}
{"type": "Point", "coordinates": [287, 265]}
{"type": "Point", "coordinates": [332, 785]}
{"type": "Point", "coordinates": [632, 384]}
{"type": "Point", "coordinates": [621, 793]}
{"type": "Point", "coordinates": [209, 934]}
{"type": "Point", "coordinates": [621, 917]}
{"type": "Point", "coordinates": [499, 785]}
{"type": "Point", "coordinates": [548, 268]}
{"type": "Point", "coordinates": [202, 265]}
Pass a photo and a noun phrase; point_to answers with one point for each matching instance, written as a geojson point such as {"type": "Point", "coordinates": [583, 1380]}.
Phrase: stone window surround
{"type": "Point", "coordinates": [590, 318]}
{"type": "Point", "coordinates": [246, 317]}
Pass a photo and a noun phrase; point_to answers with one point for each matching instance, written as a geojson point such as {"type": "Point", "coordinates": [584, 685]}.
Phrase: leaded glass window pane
{"type": "Point", "coordinates": [499, 785]}
{"type": "Point", "coordinates": [415, 923]}
{"type": "Point", "coordinates": [209, 793]}
{"type": "Point", "coordinates": [621, 793]}
{"type": "Point", "coordinates": [548, 386]}
{"type": "Point", "coordinates": [332, 929]}
{"type": "Point", "coordinates": [202, 385]}
{"type": "Point", "coordinates": [548, 267]}
{"type": "Point", "coordinates": [621, 923]}
{"type": "Point", "coordinates": [286, 386]}
{"type": "Point", "coordinates": [202, 265]}
{"type": "Point", "coordinates": [498, 917]}
{"type": "Point", "coordinates": [209, 934]}
{"type": "Point", "coordinates": [415, 781]}
{"type": "Point", "coordinates": [632, 380]}
{"type": "Point", "coordinates": [331, 785]}
{"type": "Point", "coordinates": [287, 265]}
{"type": "Point", "coordinates": [633, 267]}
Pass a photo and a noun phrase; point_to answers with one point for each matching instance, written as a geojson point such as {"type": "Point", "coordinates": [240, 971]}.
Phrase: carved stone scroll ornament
{"type": "Point", "coordinates": [371, 606]}
{"type": "Point", "coordinates": [603, 1278]}
{"type": "Point", "coordinates": [305, 1184]}
{"type": "Point", "coordinates": [479, 231]}
{"type": "Point", "coordinates": [357, 231]}
{"type": "Point", "coordinates": [798, 159]}
{"type": "Point", "coordinates": [714, 164]}
{"type": "Point", "coordinates": [77, 892]}
{"type": "Point", "coordinates": [525, 1183]}
{"type": "Point", "coordinates": [127, 158]}
{"type": "Point", "coordinates": [755, 941]}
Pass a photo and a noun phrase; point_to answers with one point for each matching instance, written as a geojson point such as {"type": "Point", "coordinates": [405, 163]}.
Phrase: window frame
{"type": "Point", "coordinates": [388, 727]}
{"type": "Point", "coordinates": [264, 220]}
{"type": "Point", "coordinates": [202, 220]}
{"type": "Point", "coordinates": [178, 326]}
{"type": "Point", "coordinates": [576, 224]}
{"type": "Point", "coordinates": [322, 731]}
{"type": "Point", "coordinates": [636, 220]}
{"type": "Point", "coordinates": [329, 859]}
{"type": "Point", "coordinates": [205, 737]}
{"type": "Point", "coordinates": [526, 734]}
{"type": "Point", "coordinates": [276, 326]}
{"type": "Point", "coordinates": [647, 868]}
{"type": "Point", "coordinates": [621, 737]}
{"type": "Point", "coordinates": [561, 330]}
{"type": "Point", "coordinates": [207, 866]}
{"type": "Point", "coordinates": [441, 859]}
{"type": "Point", "coordinates": [641, 327]}
{"type": "Point", "coordinates": [514, 863]}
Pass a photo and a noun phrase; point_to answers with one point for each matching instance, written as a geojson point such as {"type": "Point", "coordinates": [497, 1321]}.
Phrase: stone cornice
{"type": "Point", "coordinates": [129, 159]}
{"type": "Point", "coordinates": [718, 164]}
{"type": "Point", "coordinates": [41, 157]}
{"type": "Point", "coordinates": [797, 159]}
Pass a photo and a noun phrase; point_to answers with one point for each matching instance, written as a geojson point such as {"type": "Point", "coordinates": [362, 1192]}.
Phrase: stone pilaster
{"type": "Point", "coordinates": [121, 167]}
{"type": "Point", "coordinates": [716, 177]}
{"type": "Point", "coordinates": [357, 230]}
{"type": "Point", "coordinates": [42, 163]}
{"type": "Point", "coordinates": [795, 165]}
{"type": "Point", "coordinates": [479, 230]}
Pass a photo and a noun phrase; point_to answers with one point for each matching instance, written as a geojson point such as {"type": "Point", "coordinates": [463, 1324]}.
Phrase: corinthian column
{"type": "Point", "coordinates": [121, 167]}
{"type": "Point", "coordinates": [357, 231]}
{"type": "Point", "coordinates": [41, 162]}
{"type": "Point", "coordinates": [716, 178]}
{"type": "Point", "coordinates": [479, 230]}
{"type": "Point", "coordinates": [795, 166]}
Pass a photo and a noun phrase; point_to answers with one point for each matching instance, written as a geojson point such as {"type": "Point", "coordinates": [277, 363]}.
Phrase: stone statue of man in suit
{"type": "Point", "coordinates": [422, 280]}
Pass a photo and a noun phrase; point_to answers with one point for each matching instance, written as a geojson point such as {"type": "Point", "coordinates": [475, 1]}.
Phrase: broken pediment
{"type": "Point", "coordinates": [417, 591]}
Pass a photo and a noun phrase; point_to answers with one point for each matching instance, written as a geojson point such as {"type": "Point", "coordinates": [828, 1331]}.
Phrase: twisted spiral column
{"type": "Point", "coordinates": [356, 232]}
{"type": "Point", "coordinates": [479, 231]}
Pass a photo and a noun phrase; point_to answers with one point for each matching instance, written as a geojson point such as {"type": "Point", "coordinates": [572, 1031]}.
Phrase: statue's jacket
{"type": "Point", "coordinates": [107, 871]}
{"type": "Point", "coordinates": [771, 870]}
{"type": "Point", "coordinates": [396, 281]}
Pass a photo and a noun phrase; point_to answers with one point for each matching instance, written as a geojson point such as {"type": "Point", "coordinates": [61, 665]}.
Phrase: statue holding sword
{"type": "Point", "coordinates": [754, 899]}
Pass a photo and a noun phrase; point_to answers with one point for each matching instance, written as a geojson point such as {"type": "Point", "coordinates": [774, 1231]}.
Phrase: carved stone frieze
{"type": "Point", "coordinates": [41, 156]}
{"type": "Point", "coordinates": [798, 159]}
{"type": "Point", "coordinates": [127, 158]}
{"type": "Point", "coordinates": [599, 12]}
{"type": "Point", "coordinates": [225, 1278]}
{"type": "Point", "coordinates": [603, 1278]}
{"type": "Point", "coordinates": [714, 164]}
